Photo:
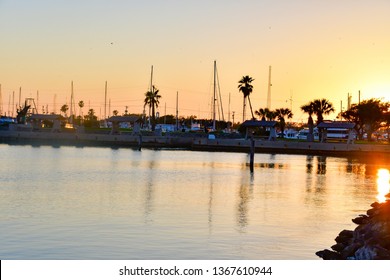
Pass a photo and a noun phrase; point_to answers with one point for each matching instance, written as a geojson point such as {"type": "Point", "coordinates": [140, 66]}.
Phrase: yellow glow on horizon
{"type": "Point", "coordinates": [383, 184]}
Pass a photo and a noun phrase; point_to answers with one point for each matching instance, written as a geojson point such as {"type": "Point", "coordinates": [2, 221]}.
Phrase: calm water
{"type": "Point", "coordinates": [102, 203]}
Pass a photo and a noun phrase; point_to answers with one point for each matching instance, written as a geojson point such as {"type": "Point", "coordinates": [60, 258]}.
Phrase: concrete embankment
{"type": "Point", "coordinates": [93, 139]}
{"type": "Point", "coordinates": [193, 143]}
{"type": "Point", "coordinates": [292, 147]}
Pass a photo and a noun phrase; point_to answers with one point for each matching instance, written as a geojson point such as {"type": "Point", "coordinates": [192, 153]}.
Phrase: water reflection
{"type": "Point", "coordinates": [245, 194]}
{"type": "Point", "coordinates": [383, 184]}
{"type": "Point", "coordinates": [149, 189]}
{"type": "Point", "coordinates": [321, 165]}
{"type": "Point", "coordinates": [177, 204]}
{"type": "Point", "coordinates": [309, 164]}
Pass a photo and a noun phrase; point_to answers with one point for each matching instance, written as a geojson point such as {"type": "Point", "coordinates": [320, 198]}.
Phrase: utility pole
{"type": "Point", "coordinates": [9, 105]}
{"type": "Point", "coordinates": [54, 104]}
{"type": "Point", "coordinates": [20, 97]}
{"type": "Point", "coordinates": [38, 101]}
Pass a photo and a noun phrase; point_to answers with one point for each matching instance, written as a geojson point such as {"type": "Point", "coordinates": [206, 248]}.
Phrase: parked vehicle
{"type": "Point", "coordinates": [303, 133]}
{"type": "Point", "coordinates": [288, 134]}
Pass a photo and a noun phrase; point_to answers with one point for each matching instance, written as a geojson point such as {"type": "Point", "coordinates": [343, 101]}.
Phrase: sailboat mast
{"type": "Point", "coordinates": [151, 90]}
{"type": "Point", "coordinates": [177, 110]}
{"type": "Point", "coordinates": [71, 104]}
{"type": "Point", "coordinates": [215, 88]}
{"type": "Point", "coordinates": [105, 101]}
{"type": "Point", "coordinates": [151, 79]}
{"type": "Point", "coordinates": [1, 103]}
{"type": "Point", "coordinates": [269, 89]}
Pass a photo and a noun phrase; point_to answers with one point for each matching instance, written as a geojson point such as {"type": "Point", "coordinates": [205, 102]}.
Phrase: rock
{"type": "Point", "coordinates": [372, 211]}
{"type": "Point", "coordinates": [342, 239]}
{"type": "Point", "coordinates": [370, 240]}
{"type": "Point", "coordinates": [362, 219]}
{"type": "Point", "coordinates": [346, 233]}
{"type": "Point", "coordinates": [350, 250]}
{"type": "Point", "coordinates": [375, 204]}
{"type": "Point", "coordinates": [328, 255]}
{"type": "Point", "coordinates": [339, 247]}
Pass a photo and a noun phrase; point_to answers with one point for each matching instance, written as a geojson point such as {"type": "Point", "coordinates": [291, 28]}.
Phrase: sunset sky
{"type": "Point", "coordinates": [317, 49]}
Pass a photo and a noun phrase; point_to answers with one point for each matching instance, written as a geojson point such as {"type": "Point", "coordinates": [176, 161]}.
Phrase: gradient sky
{"type": "Point", "coordinates": [317, 49]}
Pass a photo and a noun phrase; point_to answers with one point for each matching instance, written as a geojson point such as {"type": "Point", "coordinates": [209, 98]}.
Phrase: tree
{"type": "Point", "coordinates": [90, 120]}
{"type": "Point", "coordinates": [321, 107]}
{"type": "Point", "coordinates": [369, 116]}
{"type": "Point", "coordinates": [152, 100]}
{"type": "Point", "coordinates": [387, 123]}
{"type": "Point", "coordinates": [81, 105]}
{"type": "Point", "coordinates": [91, 115]}
{"type": "Point", "coordinates": [308, 108]}
{"type": "Point", "coordinates": [281, 114]}
{"type": "Point", "coordinates": [352, 115]}
{"type": "Point", "coordinates": [64, 109]}
{"type": "Point", "coordinates": [244, 86]}
{"type": "Point", "coordinates": [263, 113]}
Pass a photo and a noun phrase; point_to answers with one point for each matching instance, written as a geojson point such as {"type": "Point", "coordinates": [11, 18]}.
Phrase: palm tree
{"type": "Point", "coordinates": [244, 86]}
{"type": "Point", "coordinates": [308, 108]}
{"type": "Point", "coordinates": [152, 99]}
{"type": "Point", "coordinates": [281, 114]}
{"type": "Point", "coordinates": [64, 108]}
{"type": "Point", "coordinates": [322, 107]}
{"type": "Point", "coordinates": [81, 105]}
{"type": "Point", "coordinates": [263, 113]}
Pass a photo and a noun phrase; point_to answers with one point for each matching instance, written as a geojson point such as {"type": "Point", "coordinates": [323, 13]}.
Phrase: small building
{"type": "Point", "coordinates": [337, 130]}
{"type": "Point", "coordinates": [117, 120]}
{"type": "Point", "coordinates": [250, 124]}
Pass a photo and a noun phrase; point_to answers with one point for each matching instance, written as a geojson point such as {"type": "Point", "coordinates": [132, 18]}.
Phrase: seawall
{"type": "Point", "coordinates": [194, 143]}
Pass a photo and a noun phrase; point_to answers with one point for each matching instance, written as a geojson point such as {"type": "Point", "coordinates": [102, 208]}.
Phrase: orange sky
{"type": "Point", "coordinates": [317, 49]}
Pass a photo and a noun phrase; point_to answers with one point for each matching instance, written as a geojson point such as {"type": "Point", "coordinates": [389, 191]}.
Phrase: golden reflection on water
{"type": "Point", "coordinates": [383, 177]}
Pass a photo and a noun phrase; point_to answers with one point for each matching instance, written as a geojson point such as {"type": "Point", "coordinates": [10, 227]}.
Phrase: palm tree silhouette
{"type": "Point", "coordinates": [281, 114]}
{"type": "Point", "coordinates": [152, 100]}
{"type": "Point", "coordinates": [81, 105]}
{"type": "Point", "coordinates": [308, 108]}
{"type": "Point", "coordinates": [244, 86]}
{"type": "Point", "coordinates": [322, 107]}
{"type": "Point", "coordinates": [263, 113]}
{"type": "Point", "coordinates": [319, 107]}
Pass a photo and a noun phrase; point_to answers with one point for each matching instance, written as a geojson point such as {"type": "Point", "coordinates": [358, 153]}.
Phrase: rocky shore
{"type": "Point", "coordinates": [369, 241]}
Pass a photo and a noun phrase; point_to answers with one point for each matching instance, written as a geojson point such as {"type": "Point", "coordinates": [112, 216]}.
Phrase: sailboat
{"type": "Point", "coordinates": [216, 97]}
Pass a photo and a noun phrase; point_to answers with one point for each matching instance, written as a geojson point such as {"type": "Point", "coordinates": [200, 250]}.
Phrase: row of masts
{"type": "Point", "coordinates": [216, 100]}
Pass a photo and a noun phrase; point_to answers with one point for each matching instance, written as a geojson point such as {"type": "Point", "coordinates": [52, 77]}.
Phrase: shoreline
{"type": "Point", "coordinates": [195, 143]}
